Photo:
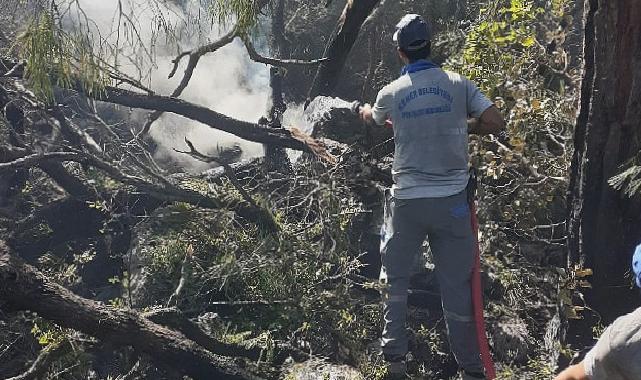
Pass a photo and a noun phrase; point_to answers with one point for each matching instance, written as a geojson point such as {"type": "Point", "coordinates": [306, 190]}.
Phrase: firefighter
{"type": "Point", "coordinates": [432, 112]}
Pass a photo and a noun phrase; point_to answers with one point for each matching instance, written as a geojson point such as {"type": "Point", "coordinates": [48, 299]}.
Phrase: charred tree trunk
{"type": "Point", "coordinates": [24, 288]}
{"type": "Point", "coordinates": [605, 225]}
{"type": "Point", "coordinates": [336, 52]}
{"type": "Point", "coordinates": [276, 158]}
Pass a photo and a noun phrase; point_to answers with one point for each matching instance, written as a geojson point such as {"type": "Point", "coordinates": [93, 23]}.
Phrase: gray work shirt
{"type": "Point", "coordinates": [430, 109]}
{"type": "Point", "coordinates": [617, 354]}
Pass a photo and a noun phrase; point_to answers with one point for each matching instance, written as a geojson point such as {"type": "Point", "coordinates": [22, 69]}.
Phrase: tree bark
{"type": "Point", "coordinates": [276, 158]}
{"type": "Point", "coordinates": [242, 129]}
{"type": "Point", "coordinates": [24, 288]}
{"type": "Point", "coordinates": [336, 52]}
{"type": "Point", "coordinates": [604, 225]}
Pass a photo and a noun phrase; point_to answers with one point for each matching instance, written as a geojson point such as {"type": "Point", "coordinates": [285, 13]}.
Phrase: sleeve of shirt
{"type": "Point", "coordinates": [600, 359]}
{"type": "Point", "coordinates": [477, 102]}
{"type": "Point", "coordinates": [382, 109]}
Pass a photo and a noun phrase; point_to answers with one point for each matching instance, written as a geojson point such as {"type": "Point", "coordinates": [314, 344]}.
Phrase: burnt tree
{"type": "Point", "coordinates": [604, 224]}
{"type": "Point", "coordinates": [336, 52]}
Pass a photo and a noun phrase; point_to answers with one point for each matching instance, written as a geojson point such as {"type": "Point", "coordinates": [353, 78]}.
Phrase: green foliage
{"type": "Point", "coordinates": [501, 41]}
{"type": "Point", "coordinates": [56, 58]}
{"type": "Point", "coordinates": [503, 55]}
{"type": "Point", "coordinates": [243, 13]}
{"type": "Point", "coordinates": [303, 281]}
{"type": "Point", "coordinates": [47, 333]}
{"type": "Point", "coordinates": [524, 179]}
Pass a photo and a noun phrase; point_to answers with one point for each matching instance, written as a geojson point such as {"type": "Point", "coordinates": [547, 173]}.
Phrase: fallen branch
{"type": "Point", "coordinates": [36, 159]}
{"type": "Point", "coordinates": [245, 130]}
{"type": "Point", "coordinates": [173, 318]}
{"type": "Point", "coordinates": [165, 193]}
{"type": "Point", "coordinates": [25, 288]}
{"type": "Point", "coordinates": [185, 275]}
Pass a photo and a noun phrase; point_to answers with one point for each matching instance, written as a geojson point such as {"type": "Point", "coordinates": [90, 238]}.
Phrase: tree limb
{"type": "Point", "coordinates": [255, 56]}
{"type": "Point", "coordinates": [293, 139]}
{"type": "Point", "coordinates": [231, 175]}
{"type": "Point", "coordinates": [173, 318]}
{"type": "Point", "coordinates": [165, 193]}
{"type": "Point", "coordinates": [194, 57]}
{"type": "Point", "coordinates": [25, 288]}
{"type": "Point", "coordinates": [36, 159]}
{"type": "Point", "coordinates": [229, 172]}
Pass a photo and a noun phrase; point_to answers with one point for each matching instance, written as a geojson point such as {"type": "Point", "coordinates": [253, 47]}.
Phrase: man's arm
{"type": "Point", "coordinates": [575, 372]}
{"type": "Point", "coordinates": [490, 122]}
{"type": "Point", "coordinates": [381, 111]}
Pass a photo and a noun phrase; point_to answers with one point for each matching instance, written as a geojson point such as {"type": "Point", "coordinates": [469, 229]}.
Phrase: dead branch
{"type": "Point", "coordinates": [185, 275]}
{"type": "Point", "coordinates": [73, 185]}
{"type": "Point", "coordinates": [229, 172]}
{"type": "Point", "coordinates": [231, 175]}
{"type": "Point", "coordinates": [173, 318]}
{"type": "Point", "coordinates": [194, 57]}
{"type": "Point", "coordinates": [279, 137]}
{"type": "Point", "coordinates": [36, 159]}
{"type": "Point", "coordinates": [25, 288]}
{"type": "Point", "coordinates": [10, 153]}
{"type": "Point", "coordinates": [242, 129]}
{"type": "Point", "coordinates": [166, 193]}
{"type": "Point", "coordinates": [255, 56]}
{"type": "Point", "coordinates": [47, 356]}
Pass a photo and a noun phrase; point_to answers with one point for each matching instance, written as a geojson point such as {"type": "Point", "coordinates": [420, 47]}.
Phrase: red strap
{"type": "Point", "coordinates": [477, 303]}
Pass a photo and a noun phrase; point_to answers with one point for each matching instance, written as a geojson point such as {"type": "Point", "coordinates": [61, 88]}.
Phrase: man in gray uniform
{"type": "Point", "coordinates": [617, 354]}
{"type": "Point", "coordinates": [432, 111]}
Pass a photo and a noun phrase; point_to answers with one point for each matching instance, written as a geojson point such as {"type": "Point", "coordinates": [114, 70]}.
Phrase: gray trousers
{"type": "Point", "coordinates": [446, 224]}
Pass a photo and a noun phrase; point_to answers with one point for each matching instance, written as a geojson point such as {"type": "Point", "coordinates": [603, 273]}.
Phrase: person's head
{"type": "Point", "coordinates": [636, 265]}
{"type": "Point", "coordinates": [413, 38]}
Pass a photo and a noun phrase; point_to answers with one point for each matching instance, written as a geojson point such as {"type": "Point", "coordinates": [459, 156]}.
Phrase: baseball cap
{"type": "Point", "coordinates": [412, 32]}
{"type": "Point", "coordinates": [636, 265]}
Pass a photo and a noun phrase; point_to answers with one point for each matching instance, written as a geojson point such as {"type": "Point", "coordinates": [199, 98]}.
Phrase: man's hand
{"type": "Point", "coordinates": [365, 113]}
{"type": "Point", "coordinates": [490, 122]}
{"type": "Point", "coordinates": [575, 372]}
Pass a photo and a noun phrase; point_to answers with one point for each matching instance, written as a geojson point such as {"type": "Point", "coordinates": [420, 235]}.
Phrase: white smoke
{"type": "Point", "coordinates": [226, 81]}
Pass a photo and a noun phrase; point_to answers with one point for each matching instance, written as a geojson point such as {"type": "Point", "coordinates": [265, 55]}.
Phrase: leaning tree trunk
{"type": "Point", "coordinates": [605, 225]}
{"type": "Point", "coordinates": [337, 51]}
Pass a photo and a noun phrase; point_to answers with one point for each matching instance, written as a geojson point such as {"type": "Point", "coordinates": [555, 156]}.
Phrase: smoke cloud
{"type": "Point", "coordinates": [226, 81]}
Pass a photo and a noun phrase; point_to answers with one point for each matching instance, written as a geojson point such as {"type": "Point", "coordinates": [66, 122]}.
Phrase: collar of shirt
{"type": "Point", "coordinates": [420, 65]}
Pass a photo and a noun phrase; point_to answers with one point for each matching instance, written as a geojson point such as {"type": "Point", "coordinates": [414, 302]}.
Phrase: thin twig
{"type": "Point", "coordinates": [231, 175]}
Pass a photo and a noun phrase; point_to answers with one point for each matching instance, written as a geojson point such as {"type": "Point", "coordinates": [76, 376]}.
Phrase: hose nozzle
{"type": "Point", "coordinates": [356, 107]}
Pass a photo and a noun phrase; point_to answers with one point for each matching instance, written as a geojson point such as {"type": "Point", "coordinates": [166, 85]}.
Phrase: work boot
{"type": "Point", "coordinates": [473, 376]}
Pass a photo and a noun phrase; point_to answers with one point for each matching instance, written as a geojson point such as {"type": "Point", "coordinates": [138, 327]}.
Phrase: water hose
{"type": "Point", "coordinates": [477, 301]}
